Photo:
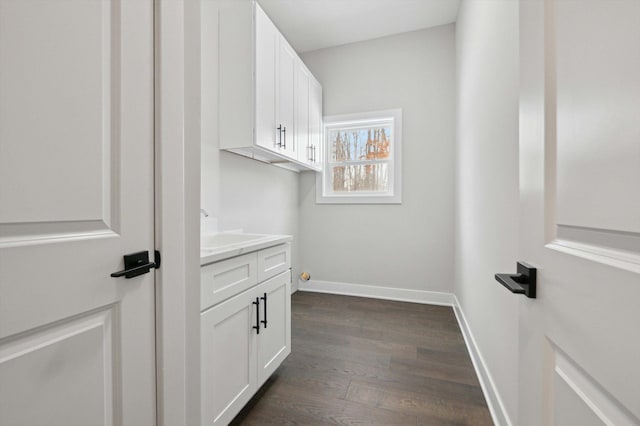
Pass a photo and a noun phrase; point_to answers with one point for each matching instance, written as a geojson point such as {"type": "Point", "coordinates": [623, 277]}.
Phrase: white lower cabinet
{"type": "Point", "coordinates": [274, 340]}
{"type": "Point", "coordinates": [243, 341]}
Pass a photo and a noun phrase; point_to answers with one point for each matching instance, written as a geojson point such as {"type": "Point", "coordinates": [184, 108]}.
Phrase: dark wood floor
{"type": "Point", "coordinates": [357, 361]}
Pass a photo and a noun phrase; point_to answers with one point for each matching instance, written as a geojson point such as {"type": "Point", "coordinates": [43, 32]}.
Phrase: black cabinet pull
{"type": "Point", "coordinates": [524, 282]}
{"type": "Point", "coordinates": [284, 130]}
{"type": "Point", "coordinates": [257, 326]}
{"type": "Point", "coordinates": [279, 135]}
{"type": "Point", "coordinates": [137, 264]}
{"type": "Point", "coordinates": [264, 321]}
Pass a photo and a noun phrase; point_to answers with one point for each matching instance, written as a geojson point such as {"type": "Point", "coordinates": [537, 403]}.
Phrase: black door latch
{"type": "Point", "coordinates": [524, 282]}
{"type": "Point", "coordinates": [137, 264]}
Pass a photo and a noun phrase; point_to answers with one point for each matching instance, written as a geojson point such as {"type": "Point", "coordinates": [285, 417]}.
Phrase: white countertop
{"type": "Point", "coordinates": [216, 247]}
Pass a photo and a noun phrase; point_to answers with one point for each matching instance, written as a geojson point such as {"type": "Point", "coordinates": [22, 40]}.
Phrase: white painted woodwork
{"type": "Point", "coordinates": [221, 280]}
{"type": "Point", "coordinates": [228, 358]}
{"type": "Point", "coordinates": [273, 261]}
{"type": "Point", "coordinates": [286, 65]}
{"type": "Point", "coordinates": [598, 108]}
{"type": "Point", "coordinates": [302, 134]}
{"type": "Point", "coordinates": [177, 199]}
{"type": "Point", "coordinates": [266, 41]}
{"type": "Point", "coordinates": [235, 358]}
{"type": "Point", "coordinates": [580, 122]}
{"type": "Point", "coordinates": [274, 340]}
{"type": "Point", "coordinates": [76, 194]}
{"type": "Point", "coordinates": [256, 73]}
{"type": "Point", "coordinates": [308, 117]}
{"type": "Point", "coordinates": [316, 140]}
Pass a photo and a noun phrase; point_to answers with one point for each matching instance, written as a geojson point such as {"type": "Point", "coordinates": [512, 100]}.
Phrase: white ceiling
{"type": "Point", "coordinates": [315, 24]}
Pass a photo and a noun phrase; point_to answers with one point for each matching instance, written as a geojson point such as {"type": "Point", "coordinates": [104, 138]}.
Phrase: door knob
{"type": "Point", "coordinates": [523, 282]}
{"type": "Point", "coordinates": [137, 264]}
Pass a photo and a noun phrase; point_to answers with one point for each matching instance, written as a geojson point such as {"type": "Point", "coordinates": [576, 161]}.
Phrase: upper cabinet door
{"type": "Point", "coordinates": [285, 98]}
{"type": "Point", "coordinates": [302, 113]}
{"type": "Point", "coordinates": [315, 124]}
{"type": "Point", "coordinates": [265, 80]}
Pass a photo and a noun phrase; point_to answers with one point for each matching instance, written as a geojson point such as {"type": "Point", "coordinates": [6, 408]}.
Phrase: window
{"type": "Point", "coordinates": [362, 159]}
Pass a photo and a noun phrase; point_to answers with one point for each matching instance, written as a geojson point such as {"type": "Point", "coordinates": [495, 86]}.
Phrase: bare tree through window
{"type": "Point", "coordinates": [359, 158]}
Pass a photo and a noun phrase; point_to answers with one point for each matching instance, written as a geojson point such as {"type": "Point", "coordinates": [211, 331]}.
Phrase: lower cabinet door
{"type": "Point", "coordinates": [274, 340]}
{"type": "Point", "coordinates": [228, 350]}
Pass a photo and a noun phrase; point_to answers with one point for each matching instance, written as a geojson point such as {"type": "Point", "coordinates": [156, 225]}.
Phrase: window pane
{"type": "Point", "coordinates": [361, 177]}
{"type": "Point", "coordinates": [372, 143]}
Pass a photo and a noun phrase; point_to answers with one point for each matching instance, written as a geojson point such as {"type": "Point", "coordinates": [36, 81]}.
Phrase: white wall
{"type": "Point", "coordinates": [238, 192]}
{"type": "Point", "coordinates": [487, 184]}
{"type": "Point", "coordinates": [408, 246]}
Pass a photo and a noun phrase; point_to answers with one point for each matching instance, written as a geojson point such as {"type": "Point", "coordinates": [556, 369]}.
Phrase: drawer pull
{"type": "Point", "coordinates": [264, 321]}
{"type": "Point", "coordinates": [257, 326]}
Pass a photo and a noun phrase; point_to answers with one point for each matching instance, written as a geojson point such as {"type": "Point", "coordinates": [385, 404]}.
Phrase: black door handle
{"type": "Point", "coordinates": [257, 326]}
{"type": "Point", "coordinates": [137, 264]}
{"type": "Point", "coordinates": [524, 282]}
{"type": "Point", "coordinates": [264, 321]}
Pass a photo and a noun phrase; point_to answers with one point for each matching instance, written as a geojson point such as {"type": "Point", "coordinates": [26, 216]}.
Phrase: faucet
{"type": "Point", "coordinates": [204, 213]}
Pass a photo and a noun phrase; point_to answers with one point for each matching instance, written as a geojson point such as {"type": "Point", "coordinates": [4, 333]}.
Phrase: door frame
{"type": "Point", "coordinates": [177, 204]}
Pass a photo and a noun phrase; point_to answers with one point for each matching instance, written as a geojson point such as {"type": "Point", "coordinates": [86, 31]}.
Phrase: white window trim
{"type": "Point", "coordinates": [395, 197]}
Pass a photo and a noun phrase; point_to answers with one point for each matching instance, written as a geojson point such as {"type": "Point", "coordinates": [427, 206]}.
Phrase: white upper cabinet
{"type": "Point", "coordinates": [285, 98]}
{"type": "Point", "coordinates": [267, 38]}
{"type": "Point", "coordinates": [302, 79]}
{"type": "Point", "coordinates": [308, 109]}
{"type": "Point", "coordinates": [316, 141]}
{"type": "Point", "coordinates": [259, 92]}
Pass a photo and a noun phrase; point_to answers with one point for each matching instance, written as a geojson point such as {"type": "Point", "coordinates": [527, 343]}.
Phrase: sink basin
{"type": "Point", "coordinates": [215, 241]}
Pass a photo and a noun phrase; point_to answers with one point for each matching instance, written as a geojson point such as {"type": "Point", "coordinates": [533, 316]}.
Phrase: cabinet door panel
{"type": "Point", "coordinates": [222, 280]}
{"type": "Point", "coordinates": [315, 123]}
{"type": "Point", "coordinates": [265, 80]}
{"type": "Point", "coordinates": [274, 341]}
{"type": "Point", "coordinates": [273, 261]}
{"type": "Point", "coordinates": [228, 358]}
{"type": "Point", "coordinates": [302, 113]}
{"type": "Point", "coordinates": [285, 96]}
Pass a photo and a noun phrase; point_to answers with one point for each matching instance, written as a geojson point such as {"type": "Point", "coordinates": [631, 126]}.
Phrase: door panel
{"type": "Point", "coordinates": [266, 54]}
{"type": "Point", "coordinates": [39, 365]}
{"type": "Point", "coordinates": [315, 122]}
{"type": "Point", "coordinates": [285, 97]}
{"type": "Point", "coordinates": [302, 112]}
{"type": "Point", "coordinates": [274, 341]}
{"type": "Point", "coordinates": [228, 358]}
{"type": "Point", "coordinates": [54, 114]}
{"type": "Point", "coordinates": [76, 194]}
{"type": "Point", "coordinates": [579, 157]}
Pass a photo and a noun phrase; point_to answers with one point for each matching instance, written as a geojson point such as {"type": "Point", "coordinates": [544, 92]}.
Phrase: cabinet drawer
{"type": "Point", "coordinates": [273, 261]}
{"type": "Point", "coordinates": [224, 279]}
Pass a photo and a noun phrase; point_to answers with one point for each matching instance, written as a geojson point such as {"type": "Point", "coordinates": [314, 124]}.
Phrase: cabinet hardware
{"type": "Point", "coordinates": [524, 282]}
{"type": "Point", "coordinates": [279, 136]}
{"type": "Point", "coordinates": [284, 130]}
{"type": "Point", "coordinates": [137, 264]}
{"type": "Point", "coordinates": [264, 321]}
{"type": "Point", "coordinates": [257, 326]}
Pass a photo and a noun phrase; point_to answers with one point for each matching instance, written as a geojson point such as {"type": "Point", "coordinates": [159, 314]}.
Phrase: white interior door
{"type": "Point", "coordinates": [76, 194]}
{"type": "Point", "coordinates": [580, 192]}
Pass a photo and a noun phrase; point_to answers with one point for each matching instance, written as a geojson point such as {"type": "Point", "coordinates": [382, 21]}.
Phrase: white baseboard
{"type": "Point", "coordinates": [491, 395]}
{"type": "Point", "coordinates": [375, 292]}
{"type": "Point", "coordinates": [494, 402]}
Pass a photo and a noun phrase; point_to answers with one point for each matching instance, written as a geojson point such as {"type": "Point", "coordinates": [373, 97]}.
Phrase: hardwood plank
{"type": "Point", "coordinates": [358, 361]}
